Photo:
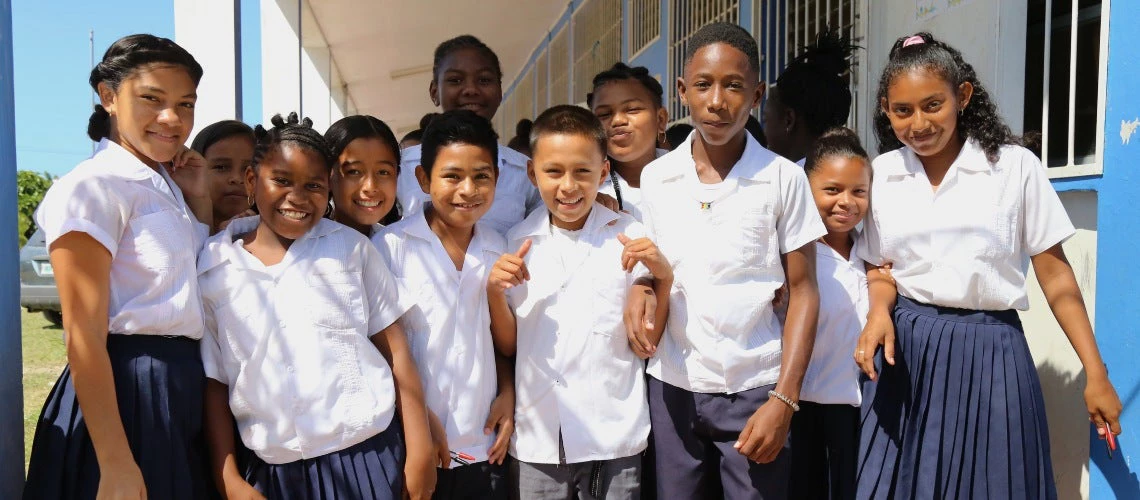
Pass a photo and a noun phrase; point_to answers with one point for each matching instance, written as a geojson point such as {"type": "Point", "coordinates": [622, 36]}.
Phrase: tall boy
{"type": "Point", "coordinates": [737, 221]}
{"type": "Point", "coordinates": [442, 256]}
{"type": "Point", "coordinates": [581, 416]}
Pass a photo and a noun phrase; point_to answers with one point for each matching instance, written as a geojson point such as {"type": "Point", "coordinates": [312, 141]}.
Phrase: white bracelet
{"type": "Point", "coordinates": [788, 401]}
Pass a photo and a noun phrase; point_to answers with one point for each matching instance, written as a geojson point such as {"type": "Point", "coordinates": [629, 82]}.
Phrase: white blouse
{"type": "Point", "coordinates": [292, 340]}
{"type": "Point", "coordinates": [575, 374]}
{"type": "Point", "coordinates": [966, 244]}
{"type": "Point", "coordinates": [448, 324]}
{"type": "Point", "coordinates": [139, 215]}
{"type": "Point", "coordinates": [630, 196]}
{"type": "Point", "coordinates": [515, 195]}
{"type": "Point", "coordinates": [725, 241]}
{"type": "Point", "coordinates": [832, 377]}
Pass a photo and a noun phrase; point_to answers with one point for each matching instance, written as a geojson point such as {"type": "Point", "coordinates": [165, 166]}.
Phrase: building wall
{"type": "Point", "coordinates": [208, 29]}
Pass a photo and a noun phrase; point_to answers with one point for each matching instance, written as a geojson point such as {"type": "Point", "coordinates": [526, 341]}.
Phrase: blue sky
{"type": "Point", "coordinates": [52, 62]}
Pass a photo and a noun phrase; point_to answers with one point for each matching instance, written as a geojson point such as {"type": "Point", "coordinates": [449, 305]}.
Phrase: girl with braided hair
{"type": "Point", "coordinates": [124, 420]}
{"type": "Point", "coordinates": [955, 409]}
{"type": "Point", "coordinates": [302, 347]}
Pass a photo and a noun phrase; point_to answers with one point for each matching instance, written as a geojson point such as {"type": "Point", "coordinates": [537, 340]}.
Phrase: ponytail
{"type": "Point", "coordinates": [99, 125]}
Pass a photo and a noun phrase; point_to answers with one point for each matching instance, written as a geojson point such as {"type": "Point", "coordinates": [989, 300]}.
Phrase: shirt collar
{"type": "Point", "coordinates": [116, 159]}
{"type": "Point", "coordinates": [220, 248]}
{"type": "Point", "coordinates": [417, 227]}
{"type": "Point", "coordinates": [538, 222]}
{"type": "Point", "coordinates": [970, 159]}
{"type": "Point", "coordinates": [752, 161]}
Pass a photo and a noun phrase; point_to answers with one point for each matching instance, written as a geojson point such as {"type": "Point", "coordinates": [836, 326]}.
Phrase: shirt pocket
{"type": "Point", "coordinates": [163, 241]}
{"type": "Point", "coordinates": [336, 299]}
{"type": "Point", "coordinates": [756, 237]}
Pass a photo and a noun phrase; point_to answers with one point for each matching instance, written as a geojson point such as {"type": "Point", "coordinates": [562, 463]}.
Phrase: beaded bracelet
{"type": "Point", "coordinates": [788, 401]}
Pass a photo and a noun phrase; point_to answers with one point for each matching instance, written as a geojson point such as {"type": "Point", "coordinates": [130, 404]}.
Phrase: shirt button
{"type": "Point", "coordinates": [289, 369]}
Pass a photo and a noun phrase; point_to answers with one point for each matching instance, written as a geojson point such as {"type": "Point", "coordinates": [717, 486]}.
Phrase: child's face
{"type": "Point", "coordinates": [467, 80]}
{"type": "Point", "coordinates": [153, 111]}
{"type": "Point", "coordinates": [291, 190]}
{"type": "Point", "coordinates": [720, 88]}
{"type": "Point", "coordinates": [841, 187]}
{"type": "Point", "coordinates": [364, 182]}
{"type": "Point", "coordinates": [228, 159]}
{"type": "Point", "coordinates": [462, 184]}
{"type": "Point", "coordinates": [632, 119]}
{"type": "Point", "coordinates": [923, 110]}
{"type": "Point", "coordinates": [568, 169]}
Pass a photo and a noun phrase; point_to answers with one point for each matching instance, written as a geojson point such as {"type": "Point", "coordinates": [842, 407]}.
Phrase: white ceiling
{"type": "Point", "coordinates": [371, 39]}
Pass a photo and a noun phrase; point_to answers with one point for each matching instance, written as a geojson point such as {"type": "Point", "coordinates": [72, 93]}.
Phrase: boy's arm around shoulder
{"type": "Point", "coordinates": [647, 304]}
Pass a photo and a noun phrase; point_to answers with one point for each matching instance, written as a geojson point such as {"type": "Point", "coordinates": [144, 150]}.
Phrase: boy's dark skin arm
{"type": "Point", "coordinates": [501, 418]}
{"type": "Point", "coordinates": [219, 423]}
{"type": "Point", "coordinates": [766, 431]}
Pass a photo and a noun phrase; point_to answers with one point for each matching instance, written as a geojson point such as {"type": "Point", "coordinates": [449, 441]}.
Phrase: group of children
{"type": "Point", "coordinates": [604, 319]}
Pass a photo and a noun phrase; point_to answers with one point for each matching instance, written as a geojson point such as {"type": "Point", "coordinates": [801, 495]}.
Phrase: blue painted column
{"type": "Point", "coordinates": [1118, 231]}
{"type": "Point", "coordinates": [11, 365]}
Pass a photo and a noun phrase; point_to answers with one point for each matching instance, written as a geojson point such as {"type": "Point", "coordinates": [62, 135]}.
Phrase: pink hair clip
{"type": "Point", "coordinates": [913, 40]}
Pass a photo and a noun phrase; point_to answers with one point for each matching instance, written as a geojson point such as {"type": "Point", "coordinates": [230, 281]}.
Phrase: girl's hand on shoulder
{"type": "Point", "coordinates": [439, 440]}
{"type": "Point", "coordinates": [502, 421]}
{"type": "Point", "coordinates": [643, 250]}
{"type": "Point", "coordinates": [188, 169]}
{"type": "Point", "coordinates": [609, 202]}
{"type": "Point", "coordinates": [510, 270]}
{"type": "Point", "coordinates": [121, 481]}
{"type": "Point", "coordinates": [1103, 404]}
{"type": "Point", "coordinates": [880, 331]}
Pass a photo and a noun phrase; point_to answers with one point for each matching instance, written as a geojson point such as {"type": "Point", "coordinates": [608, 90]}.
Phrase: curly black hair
{"type": "Point", "coordinates": [459, 43]}
{"type": "Point", "coordinates": [813, 83]}
{"type": "Point", "coordinates": [979, 120]}
{"type": "Point", "coordinates": [293, 130]}
{"type": "Point", "coordinates": [839, 142]}
{"type": "Point", "coordinates": [726, 33]}
{"type": "Point", "coordinates": [621, 72]}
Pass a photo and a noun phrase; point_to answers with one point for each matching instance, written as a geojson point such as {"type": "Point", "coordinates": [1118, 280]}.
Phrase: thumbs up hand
{"type": "Point", "coordinates": [510, 270]}
{"type": "Point", "coordinates": [643, 250]}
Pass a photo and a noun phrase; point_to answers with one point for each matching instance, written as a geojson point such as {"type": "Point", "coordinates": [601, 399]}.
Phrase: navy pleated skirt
{"type": "Point", "coordinates": [370, 470]}
{"type": "Point", "coordinates": [959, 415]}
{"type": "Point", "coordinates": [158, 384]}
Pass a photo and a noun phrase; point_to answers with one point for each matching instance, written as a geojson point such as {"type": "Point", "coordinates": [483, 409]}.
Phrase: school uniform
{"type": "Point", "coordinates": [448, 325]}
{"type": "Point", "coordinates": [515, 195]}
{"type": "Point", "coordinates": [960, 414]}
{"type": "Point", "coordinates": [628, 197]}
{"type": "Point", "coordinates": [721, 351]}
{"type": "Point", "coordinates": [154, 323]}
{"type": "Point", "coordinates": [581, 418]}
{"type": "Point", "coordinates": [313, 397]}
{"type": "Point", "coordinates": [826, 429]}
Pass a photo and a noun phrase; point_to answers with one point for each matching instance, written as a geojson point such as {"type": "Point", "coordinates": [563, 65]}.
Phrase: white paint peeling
{"type": "Point", "coordinates": [1127, 128]}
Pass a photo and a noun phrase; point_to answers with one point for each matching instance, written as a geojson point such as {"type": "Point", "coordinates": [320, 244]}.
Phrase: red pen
{"type": "Point", "coordinates": [1109, 440]}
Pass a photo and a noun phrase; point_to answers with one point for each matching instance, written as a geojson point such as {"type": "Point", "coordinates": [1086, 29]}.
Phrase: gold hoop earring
{"type": "Point", "coordinates": [249, 200]}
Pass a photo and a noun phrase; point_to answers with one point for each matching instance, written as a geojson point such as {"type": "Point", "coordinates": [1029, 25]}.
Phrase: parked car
{"type": "Point", "coordinates": [37, 281]}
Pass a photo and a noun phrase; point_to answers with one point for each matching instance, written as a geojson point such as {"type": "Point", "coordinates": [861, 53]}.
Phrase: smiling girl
{"type": "Point", "coordinates": [367, 163]}
{"type": "Point", "coordinates": [960, 211]}
{"type": "Point", "coordinates": [124, 420]}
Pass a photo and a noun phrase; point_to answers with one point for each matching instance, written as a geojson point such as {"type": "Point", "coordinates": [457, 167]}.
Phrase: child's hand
{"type": "Point", "coordinates": [439, 440]}
{"type": "Point", "coordinates": [245, 213]}
{"type": "Point", "coordinates": [1103, 404]}
{"type": "Point", "coordinates": [501, 420]}
{"type": "Point", "coordinates": [239, 489]}
{"type": "Point", "coordinates": [640, 311]}
{"type": "Point", "coordinates": [609, 202]}
{"type": "Point", "coordinates": [419, 477]}
{"type": "Point", "coordinates": [643, 250]}
{"type": "Point", "coordinates": [766, 431]}
{"type": "Point", "coordinates": [880, 331]}
{"type": "Point", "coordinates": [509, 271]}
{"type": "Point", "coordinates": [188, 170]}
{"type": "Point", "coordinates": [121, 480]}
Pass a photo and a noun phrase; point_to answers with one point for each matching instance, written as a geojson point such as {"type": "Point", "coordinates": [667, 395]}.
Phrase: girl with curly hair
{"type": "Point", "coordinates": [960, 210]}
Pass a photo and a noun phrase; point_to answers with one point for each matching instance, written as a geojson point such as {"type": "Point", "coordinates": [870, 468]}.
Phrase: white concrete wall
{"type": "Point", "coordinates": [206, 28]}
{"type": "Point", "coordinates": [1062, 377]}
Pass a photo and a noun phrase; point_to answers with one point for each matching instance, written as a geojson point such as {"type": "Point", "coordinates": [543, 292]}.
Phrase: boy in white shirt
{"type": "Point", "coordinates": [441, 256]}
{"type": "Point", "coordinates": [581, 414]}
{"type": "Point", "coordinates": [738, 222]}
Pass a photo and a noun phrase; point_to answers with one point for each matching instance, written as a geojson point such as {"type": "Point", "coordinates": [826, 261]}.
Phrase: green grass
{"type": "Point", "coordinates": [44, 358]}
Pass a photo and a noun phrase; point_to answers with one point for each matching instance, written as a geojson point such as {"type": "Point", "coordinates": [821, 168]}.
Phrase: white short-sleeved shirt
{"type": "Point", "coordinates": [292, 340]}
{"type": "Point", "coordinates": [448, 324]}
{"type": "Point", "coordinates": [515, 196]}
{"type": "Point", "coordinates": [966, 245]}
{"type": "Point", "coordinates": [725, 241]}
{"type": "Point", "coordinates": [832, 377]}
{"type": "Point", "coordinates": [630, 196]}
{"type": "Point", "coordinates": [574, 371]}
{"type": "Point", "coordinates": [139, 215]}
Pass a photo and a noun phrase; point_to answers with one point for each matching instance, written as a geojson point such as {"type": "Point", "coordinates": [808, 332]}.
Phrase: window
{"type": "Point", "coordinates": [560, 68]}
{"type": "Point", "coordinates": [1064, 84]}
{"type": "Point", "coordinates": [685, 18]}
{"type": "Point", "coordinates": [784, 28]}
{"type": "Point", "coordinates": [644, 24]}
{"type": "Point", "coordinates": [597, 42]}
{"type": "Point", "coordinates": [524, 96]}
{"type": "Point", "coordinates": [542, 82]}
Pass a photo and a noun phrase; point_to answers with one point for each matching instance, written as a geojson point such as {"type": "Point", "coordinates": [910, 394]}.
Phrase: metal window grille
{"type": "Point", "coordinates": [1065, 72]}
{"type": "Point", "coordinates": [597, 42]}
{"type": "Point", "coordinates": [560, 67]}
{"type": "Point", "coordinates": [525, 96]}
{"type": "Point", "coordinates": [542, 82]}
{"type": "Point", "coordinates": [685, 18]}
{"type": "Point", "coordinates": [785, 27]}
{"type": "Point", "coordinates": [644, 24]}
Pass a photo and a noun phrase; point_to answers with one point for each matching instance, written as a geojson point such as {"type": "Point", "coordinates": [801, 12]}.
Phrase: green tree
{"type": "Point", "coordinates": [30, 190]}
